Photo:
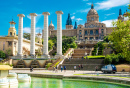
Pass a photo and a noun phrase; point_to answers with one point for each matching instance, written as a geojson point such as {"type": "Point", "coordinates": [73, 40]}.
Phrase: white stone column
{"type": "Point", "coordinates": [32, 42]}
{"type": "Point", "coordinates": [45, 34]}
{"type": "Point", "coordinates": [20, 35]}
{"type": "Point", "coordinates": [59, 34]}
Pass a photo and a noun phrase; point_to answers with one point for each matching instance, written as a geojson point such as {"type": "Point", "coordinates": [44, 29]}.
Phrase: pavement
{"type": "Point", "coordinates": [72, 73]}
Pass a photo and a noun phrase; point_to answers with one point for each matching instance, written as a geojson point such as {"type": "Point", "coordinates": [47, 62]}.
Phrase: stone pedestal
{"type": "Point", "coordinates": [20, 35]}
{"type": "Point", "coordinates": [45, 38]}
{"type": "Point", "coordinates": [59, 34]}
{"type": "Point", "coordinates": [32, 43]}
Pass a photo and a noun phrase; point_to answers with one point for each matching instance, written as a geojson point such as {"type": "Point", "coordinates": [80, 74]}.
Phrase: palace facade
{"type": "Point", "coordinates": [92, 30]}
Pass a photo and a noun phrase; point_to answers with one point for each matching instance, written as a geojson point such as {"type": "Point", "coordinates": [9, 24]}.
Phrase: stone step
{"type": "Point", "coordinates": [79, 54]}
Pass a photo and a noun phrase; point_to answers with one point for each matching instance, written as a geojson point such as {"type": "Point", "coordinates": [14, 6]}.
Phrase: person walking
{"type": "Point", "coordinates": [79, 67]}
{"type": "Point", "coordinates": [56, 69]}
{"type": "Point", "coordinates": [96, 68]}
{"type": "Point", "coordinates": [82, 57]}
{"type": "Point", "coordinates": [61, 68]}
{"type": "Point", "coordinates": [64, 68]}
{"type": "Point", "coordinates": [74, 68]}
{"type": "Point", "coordinates": [32, 68]}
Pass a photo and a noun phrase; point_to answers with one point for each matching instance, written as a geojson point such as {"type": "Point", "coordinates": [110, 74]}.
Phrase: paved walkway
{"type": "Point", "coordinates": [71, 73]}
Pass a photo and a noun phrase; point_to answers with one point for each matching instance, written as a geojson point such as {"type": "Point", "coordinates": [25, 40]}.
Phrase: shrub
{"type": "Point", "coordinates": [108, 59]}
{"type": "Point", "coordinates": [48, 65]}
{"type": "Point", "coordinates": [96, 57]}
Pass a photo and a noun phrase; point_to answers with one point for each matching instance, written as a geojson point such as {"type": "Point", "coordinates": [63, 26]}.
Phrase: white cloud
{"type": "Point", "coordinates": [85, 10]}
{"type": "Point", "coordinates": [109, 14]}
{"type": "Point", "coordinates": [110, 4]}
{"type": "Point", "coordinates": [73, 17]}
{"type": "Point", "coordinates": [37, 17]}
{"type": "Point", "coordinates": [88, 3]}
{"type": "Point", "coordinates": [78, 19]}
{"type": "Point", "coordinates": [28, 29]}
{"type": "Point", "coordinates": [28, 16]}
{"type": "Point", "coordinates": [109, 22]}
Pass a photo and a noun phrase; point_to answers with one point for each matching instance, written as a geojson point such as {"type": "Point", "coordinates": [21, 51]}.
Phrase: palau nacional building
{"type": "Point", "coordinates": [91, 32]}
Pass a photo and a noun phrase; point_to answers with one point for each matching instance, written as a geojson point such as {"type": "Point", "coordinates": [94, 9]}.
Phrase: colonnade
{"type": "Point", "coordinates": [45, 38]}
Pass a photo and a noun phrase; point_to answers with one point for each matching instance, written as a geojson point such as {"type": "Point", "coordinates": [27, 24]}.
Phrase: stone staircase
{"type": "Point", "coordinates": [79, 53]}
{"type": "Point", "coordinates": [88, 64]}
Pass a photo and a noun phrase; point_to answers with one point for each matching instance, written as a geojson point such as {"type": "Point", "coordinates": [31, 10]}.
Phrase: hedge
{"type": "Point", "coordinates": [95, 57]}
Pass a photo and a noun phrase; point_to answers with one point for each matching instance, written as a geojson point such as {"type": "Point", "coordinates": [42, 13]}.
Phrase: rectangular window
{"type": "Point", "coordinates": [3, 45]}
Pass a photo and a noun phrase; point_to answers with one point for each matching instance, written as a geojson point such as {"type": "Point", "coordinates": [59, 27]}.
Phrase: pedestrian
{"type": "Point", "coordinates": [64, 68]}
{"type": "Point", "coordinates": [74, 68]}
{"type": "Point", "coordinates": [32, 68]}
{"type": "Point", "coordinates": [79, 66]}
{"type": "Point", "coordinates": [56, 68]}
{"type": "Point", "coordinates": [61, 68]}
{"type": "Point", "coordinates": [96, 68]}
{"type": "Point", "coordinates": [82, 57]}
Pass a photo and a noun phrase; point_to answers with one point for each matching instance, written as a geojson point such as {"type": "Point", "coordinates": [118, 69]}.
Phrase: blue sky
{"type": "Point", "coordinates": [108, 10]}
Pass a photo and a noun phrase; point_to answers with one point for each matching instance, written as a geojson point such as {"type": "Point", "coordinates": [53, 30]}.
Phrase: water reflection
{"type": "Point", "coordinates": [58, 83]}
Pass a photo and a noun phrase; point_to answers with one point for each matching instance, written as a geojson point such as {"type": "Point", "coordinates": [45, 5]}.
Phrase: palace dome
{"type": "Point", "coordinates": [51, 24]}
{"type": "Point", "coordinates": [92, 11]}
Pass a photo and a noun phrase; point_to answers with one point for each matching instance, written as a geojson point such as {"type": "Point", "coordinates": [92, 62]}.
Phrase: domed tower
{"type": "Point", "coordinates": [69, 22]}
{"type": "Point", "coordinates": [39, 39]}
{"type": "Point", "coordinates": [12, 30]}
{"type": "Point", "coordinates": [92, 15]}
{"type": "Point", "coordinates": [120, 17]}
{"type": "Point", "coordinates": [51, 26]}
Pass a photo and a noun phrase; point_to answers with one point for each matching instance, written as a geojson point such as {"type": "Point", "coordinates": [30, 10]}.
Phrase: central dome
{"type": "Point", "coordinates": [92, 11]}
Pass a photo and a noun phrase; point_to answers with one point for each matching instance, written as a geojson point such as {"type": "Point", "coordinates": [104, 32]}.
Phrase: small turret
{"type": "Point", "coordinates": [75, 26]}
{"type": "Point", "coordinates": [12, 30]}
{"type": "Point", "coordinates": [120, 17]}
{"type": "Point", "coordinates": [92, 6]}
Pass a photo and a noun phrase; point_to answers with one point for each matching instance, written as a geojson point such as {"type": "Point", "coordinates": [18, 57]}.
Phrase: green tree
{"type": "Point", "coordinates": [26, 36]}
{"type": "Point", "coordinates": [120, 37]}
{"type": "Point", "coordinates": [50, 44]}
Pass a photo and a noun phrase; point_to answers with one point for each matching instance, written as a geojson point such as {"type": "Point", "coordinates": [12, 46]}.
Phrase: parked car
{"type": "Point", "coordinates": [109, 69]}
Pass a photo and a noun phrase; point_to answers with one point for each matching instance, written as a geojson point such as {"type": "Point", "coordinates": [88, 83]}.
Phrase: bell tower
{"type": "Point", "coordinates": [12, 30]}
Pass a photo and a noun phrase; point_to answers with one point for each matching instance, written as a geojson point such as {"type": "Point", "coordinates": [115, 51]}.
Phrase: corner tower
{"type": "Point", "coordinates": [12, 30]}
{"type": "Point", "coordinates": [120, 17]}
{"type": "Point", "coordinates": [69, 22]}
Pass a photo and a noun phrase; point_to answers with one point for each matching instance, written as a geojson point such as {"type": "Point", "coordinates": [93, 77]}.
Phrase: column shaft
{"type": "Point", "coordinates": [59, 34]}
{"type": "Point", "coordinates": [45, 45]}
{"type": "Point", "coordinates": [20, 36]}
{"type": "Point", "coordinates": [32, 46]}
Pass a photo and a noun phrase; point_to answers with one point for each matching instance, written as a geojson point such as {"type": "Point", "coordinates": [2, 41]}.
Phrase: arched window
{"type": "Point", "coordinates": [96, 32]}
{"type": "Point", "coordinates": [86, 38]}
{"type": "Point", "coordinates": [86, 32]}
{"type": "Point", "coordinates": [102, 31]}
{"type": "Point", "coordinates": [10, 33]}
{"type": "Point", "coordinates": [91, 32]}
{"type": "Point", "coordinates": [80, 32]}
{"type": "Point", "coordinates": [91, 38]}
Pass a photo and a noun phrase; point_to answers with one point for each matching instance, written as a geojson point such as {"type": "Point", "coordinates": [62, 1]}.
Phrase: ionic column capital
{"type": "Point", "coordinates": [21, 15]}
{"type": "Point", "coordinates": [45, 13]}
{"type": "Point", "coordinates": [33, 14]}
{"type": "Point", "coordinates": [59, 12]}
